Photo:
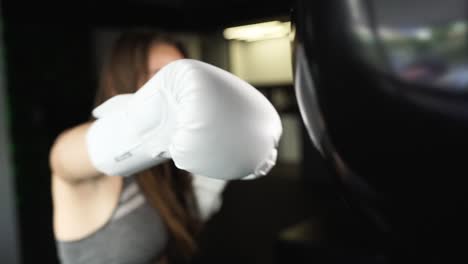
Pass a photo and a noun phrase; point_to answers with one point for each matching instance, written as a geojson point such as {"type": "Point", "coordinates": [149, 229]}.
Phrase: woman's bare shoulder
{"type": "Point", "coordinates": [82, 208]}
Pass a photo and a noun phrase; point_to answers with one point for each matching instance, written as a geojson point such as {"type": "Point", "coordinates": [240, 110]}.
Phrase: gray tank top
{"type": "Point", "coordinates": [135, 234]}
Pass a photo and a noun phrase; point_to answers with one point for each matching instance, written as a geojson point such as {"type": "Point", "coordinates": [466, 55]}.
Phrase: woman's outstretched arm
{"type": "Point", "coordinates": [69, 159]}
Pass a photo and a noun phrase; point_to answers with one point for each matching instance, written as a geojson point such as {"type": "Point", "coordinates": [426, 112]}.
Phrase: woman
{"type": "Point", "coordinates": [151, 217]}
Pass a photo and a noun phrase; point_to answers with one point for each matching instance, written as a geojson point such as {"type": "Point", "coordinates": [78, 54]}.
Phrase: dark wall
{"type": "Point", "coordinates": [51, 86]}
{"type": "Point", "coordinates": [9, 251]}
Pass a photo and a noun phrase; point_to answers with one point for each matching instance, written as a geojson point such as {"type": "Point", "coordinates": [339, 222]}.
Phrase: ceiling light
{"type": "Point", "coordinates": [260, 31]}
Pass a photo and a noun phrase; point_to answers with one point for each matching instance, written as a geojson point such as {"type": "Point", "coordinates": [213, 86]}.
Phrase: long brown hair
{"type": "Point", "coordinates": [166, 188]}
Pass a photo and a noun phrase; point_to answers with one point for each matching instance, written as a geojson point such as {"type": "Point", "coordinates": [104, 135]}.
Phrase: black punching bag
{"type": "Point", "coordinates": [383, 91]}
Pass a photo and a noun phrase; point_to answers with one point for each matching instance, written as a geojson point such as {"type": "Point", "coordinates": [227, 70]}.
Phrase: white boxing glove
{"type": "Point", "coordinates": [208, 121]}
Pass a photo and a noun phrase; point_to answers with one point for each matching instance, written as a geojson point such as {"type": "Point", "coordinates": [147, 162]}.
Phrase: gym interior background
{"type": "Point", "coordinates": [50, 60]}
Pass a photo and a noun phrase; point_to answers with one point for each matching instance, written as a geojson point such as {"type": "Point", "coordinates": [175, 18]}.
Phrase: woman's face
{"type": "Point", "coordinates": [161, 54]}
